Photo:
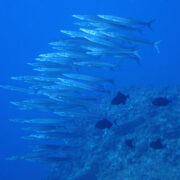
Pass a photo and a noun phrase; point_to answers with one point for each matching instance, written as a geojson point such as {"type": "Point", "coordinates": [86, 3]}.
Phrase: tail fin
{"type": "Point", "coordinates": [138, 57]}
{"type": "Point", "coordinates": [156, 46]}
{"type": "Point", "coordinates": [149, 24]}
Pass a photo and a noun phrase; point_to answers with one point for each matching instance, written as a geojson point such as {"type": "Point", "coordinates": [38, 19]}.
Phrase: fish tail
{"type": "Point", "coordinates": [156, 46]}
{"type": "Point", "coordinates": [149, 24]}
{"type": "Point", "coordinates": [138, 57]}
{"type": "Point", "coordinates": [115, 122]}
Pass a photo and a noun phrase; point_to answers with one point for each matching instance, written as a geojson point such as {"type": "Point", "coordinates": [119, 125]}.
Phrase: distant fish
{"type": "Point", "coordinates": [42, 121]}
{"type": "Point", "coordinates": [52, 159]}
{"type": "Point", "coordinates": [35, 80]}
{"type": "Point", "coordinates": [127, 21]}
{"type": "Point", "coordinates": [157, 144]}
{"type": "Point", "coordinates": [78, 115]}
{"type": "Point", "coordinates": [45, 128]}
{"type": "Point", "coordinates": [107, 26]}
{"type": "Point", "coordinates": [132, 39]}
{"type": "Point", "coordinates": [40, 158]}
{"type": "Point", "coordinates": [53, 147]}
{"type": "Point", "coordinates": [80, 85]}
{"type": "Point", "coordinates": [110, 22]}
{"type": "Point", "coordinates": [95, 64]}
{"type": "Point", "coordinates": [89, 37]}
{"type": "Point", "coordinates": [161, 101]}
{"type": "Point", "coordinates": [74, 97]}
{"type": "Point", "coordinates": [119, 99]}
{"type": "Point", "coordinates": [54, 135]}
{"type": "Point", "coordinates": [23, 90]}
{"type": "Point", "coordinates": [129, 143]}
{"type": "Point", "coordinates": [87, 17]}
{"type": "Point", "coordinates": [84, 77]}
{"type": "Point", "coordinates": [103, 124]}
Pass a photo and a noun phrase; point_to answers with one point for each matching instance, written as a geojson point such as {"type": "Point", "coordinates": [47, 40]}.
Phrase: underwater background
{"type": "Point", "coordinates": [28, 26]}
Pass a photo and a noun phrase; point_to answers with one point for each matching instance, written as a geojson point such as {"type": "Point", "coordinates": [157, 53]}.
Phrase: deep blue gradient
{"type": "Point", "coordinates": [26, 27]}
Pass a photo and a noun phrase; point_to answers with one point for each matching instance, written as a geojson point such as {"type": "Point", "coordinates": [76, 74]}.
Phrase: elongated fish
{"type": "Point", "coordinates": [112, 22]}
{"type": "Point", "coordinates": [44, 121]}
{"type": "Point", "coordinates": [86, 77]}
{"type": "Point", "coordinates": [54, 135]}
{"type": "Point", "coordinates": [78, 115]}
{"type": "Point", "coordinates": [93, 39]}
{"type": "Point", "coordinates": [96, 64]}
{"type": "Point", "coordinates": [126, 21]}
{"type": "Point", "coordinates": [78, 84]}
{"type": "Point", "coordinates": [131, 39]}
{"type": "Point", "coordinates": [55, 147]}
{"type": "Point", "coordinates": [40, 158]}
{"type": "Point", "coordinates": [18, 89]}
{"type": "Point", "coordinates": [35, 79]}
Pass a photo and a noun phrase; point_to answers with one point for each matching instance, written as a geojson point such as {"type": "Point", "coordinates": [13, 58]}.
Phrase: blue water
{"type": "Point", "coordinates": [26, 27]}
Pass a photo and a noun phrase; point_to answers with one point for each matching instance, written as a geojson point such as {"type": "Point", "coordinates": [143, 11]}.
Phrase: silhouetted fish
{"type": "Point", "coordinates": [157, 144]}
{"type": "Point", "coordinates": [160, 101]}
{"type": "Point", "coordinates": [119, 99]}
{"type": "Point", "coordinates": [129, 143]}
{"type": "Point", "coordinates": [103, 124]}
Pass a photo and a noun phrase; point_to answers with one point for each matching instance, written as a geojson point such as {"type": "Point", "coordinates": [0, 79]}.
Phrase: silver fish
{"type": "Point", "coordinates": [56, 135]}
{"type": "Point", "coordinates": [126, 21]}
{"type": "Point", "coordinates": [123, 37]}
{"type": "Point", "coordinates": [93, 39]}
{"type": "Point", "coordinates": [73, 83]}
{"type": "Point", "coordinates": [53, 147]}
{"type": "Point", "coordinates": [83, 115]}
{"type": "Point", "coordinates": [85, 77]}
{"type": "Point", "coordinates": [43, 121]}
{"type": "Point", "coordinates": [12, 88]}
{"type": "Point", "coordinates": [45, 128]}
{"type": "Point", "coordinates": [35, 79]}
{"type": "Point", "coordinates": [87, 17]}
{"type": "Point", "coordinates": [96, 64]}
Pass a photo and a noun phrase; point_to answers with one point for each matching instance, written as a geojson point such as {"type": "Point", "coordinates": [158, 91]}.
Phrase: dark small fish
{"type": "Point", "coordinates": [157, 144]}
{"type": "Point", "coordinates": [160, 101]}
{"type": "Point", "coordinates": [103, 124]}
{"type": "Point", "coordinates": [119, 99]}
{"type": "Point", "coordinates": [129, 143]}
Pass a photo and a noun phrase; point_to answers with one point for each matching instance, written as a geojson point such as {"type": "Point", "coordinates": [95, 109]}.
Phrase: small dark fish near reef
{"type": "Point", "coordinates": [157, 144]}
{"type": "Point", "coordinates": [119, 99]}
{"type": "Point", "coordinates": [161, 101]}
{"type": "Point", "coordinates": [103, 124]}
{"type": "Point", "coordinates": [129, 143]}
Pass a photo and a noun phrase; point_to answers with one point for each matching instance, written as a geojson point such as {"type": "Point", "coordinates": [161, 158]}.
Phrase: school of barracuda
{"type": "Point", "coordinates": [67, 87]}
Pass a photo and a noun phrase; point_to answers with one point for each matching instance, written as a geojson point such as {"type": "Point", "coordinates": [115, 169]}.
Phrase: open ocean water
{"type": "Point", "coordinates": [129, 130]}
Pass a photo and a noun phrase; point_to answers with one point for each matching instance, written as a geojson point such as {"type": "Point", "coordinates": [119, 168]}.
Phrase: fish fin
{"type": "Point", "coordinates": [149, 24]}
{"type": "Point", "coordinates": [115, 122]}
{"type": "Point", "coordinates": [156, 46]}
{"type": "Point", "coordinates": [138, 57]}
